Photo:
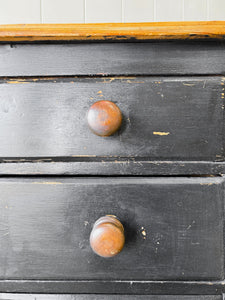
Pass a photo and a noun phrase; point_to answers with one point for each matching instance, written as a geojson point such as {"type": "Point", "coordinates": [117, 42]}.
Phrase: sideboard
{"type": "Point", "coordinates": [112, 164]}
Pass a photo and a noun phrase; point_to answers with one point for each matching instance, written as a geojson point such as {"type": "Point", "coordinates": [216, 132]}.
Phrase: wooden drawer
{"type": "Point", "coordinates": [140, 58]}
{"type": "Point", "coordinates": [164, 118]}
{"type": "Point", "coordinates": [173, 228]}
{"type": "Point", "coordinates": [103, 297]}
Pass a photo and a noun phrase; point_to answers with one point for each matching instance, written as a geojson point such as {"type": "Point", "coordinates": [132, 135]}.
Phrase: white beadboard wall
{"type": "Point", "coordinates": [103, 11]}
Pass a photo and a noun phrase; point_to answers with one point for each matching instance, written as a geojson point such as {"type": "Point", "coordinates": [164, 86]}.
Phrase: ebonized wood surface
{"type": "Point", "coordinates": [103, 297]}
{"type": "Point", "coordinates": [162, 58]}
{"type": "Point", "coordinates": [117, 287]}
{"type": "Point", "coordinates": [178, 118]}
{"type": "Point", "coordinates": [173, 228]}
{"type": "Point", "coordinates": [104, 166]}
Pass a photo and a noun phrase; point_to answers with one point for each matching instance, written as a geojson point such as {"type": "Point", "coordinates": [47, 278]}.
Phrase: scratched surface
{"type": "Point", "coordinates": [162, 58]}
{"type": "Point", "coordinates": [164, 118]}
{"type": "Point", "coordinates": [173, 228]}
{"type": "Point", "coordinates": [103, 297]}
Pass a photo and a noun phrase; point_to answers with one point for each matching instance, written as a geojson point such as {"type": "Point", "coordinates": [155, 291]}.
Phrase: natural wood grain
{"type": "Point", "coordinates": [113, 31]}
{"type": "Point", "coordinates": [104, 117]}
{"type": "Point", "coordinates": [107, 236]}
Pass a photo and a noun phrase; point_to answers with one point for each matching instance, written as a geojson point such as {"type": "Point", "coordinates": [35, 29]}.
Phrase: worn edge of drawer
{"type": "Point", "coordinates": [47, 166]}
{"type": "Point", "coordinates": [10, 296]}
{"type": "Point", "coordinates": [114, 31]}
{"type": "Point", "coordinates": [115, 287]}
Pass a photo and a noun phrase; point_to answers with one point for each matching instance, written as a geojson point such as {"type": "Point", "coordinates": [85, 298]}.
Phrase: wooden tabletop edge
{"type": "Point", "coordinates": [113, 31]}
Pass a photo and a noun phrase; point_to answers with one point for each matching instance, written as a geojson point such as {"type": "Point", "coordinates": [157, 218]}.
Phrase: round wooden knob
{"type": "Point", "coordinates": [104, 118]}
{"type": "Point", "coordinates": [107, 236]}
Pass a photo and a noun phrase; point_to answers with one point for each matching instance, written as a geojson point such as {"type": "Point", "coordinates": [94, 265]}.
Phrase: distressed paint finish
{"type": "Point", "coordinates": [112, 31]}
{"type": "Point", "coordinates": [102, 297]}
{"type": "Point", "coordinates": [104, 117]}
{"type": "Point", "coordinates": [177, 109]}
{"type": "Point", "coordinates": [109, 59]}
{"type": "Point", "coordinates": [213, 289]}
{"type": "Point", "coordinates": [173, 229]}
{"type": "Point", "coordinates": [109, 166]}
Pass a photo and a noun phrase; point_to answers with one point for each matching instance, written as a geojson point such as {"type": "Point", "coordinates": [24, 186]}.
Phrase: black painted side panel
{"type": "Point", "coordinates": [174, 228]}
{"type": "Point", "coordinates": [173, 57]}
{"type": "Point", "coordinates": [178, 118]}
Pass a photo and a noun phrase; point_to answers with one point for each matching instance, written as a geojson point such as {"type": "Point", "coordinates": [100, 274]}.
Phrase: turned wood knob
{"type": "Point", "coordinates": [107, 236]}
{"type": "Point", "coordinates": [104, 118]}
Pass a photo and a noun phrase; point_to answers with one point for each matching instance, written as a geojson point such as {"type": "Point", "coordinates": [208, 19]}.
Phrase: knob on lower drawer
{"type": "Point", "coordinates": [107, 236]}
{"type": "Point", "coordinates": [104, 118]}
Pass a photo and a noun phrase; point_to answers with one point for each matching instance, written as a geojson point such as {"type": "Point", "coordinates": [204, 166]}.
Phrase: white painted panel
{"type": "Point", "coordinates": [168, 10]}
{"type": "Point", "coordinates": [62, 11]}
{"type": "Point", "coordinates": [20, 11]}
{"type": "Point", "coordinates": [195, 10]}
{"type": "Point", "coordinates": [97, 11]}
{"type": "Point", "coordinates": [216, 10]}
{"type": "Point", "coordinates": [103, 11]}
{"type": "Point", "coordinates": [138, 10]}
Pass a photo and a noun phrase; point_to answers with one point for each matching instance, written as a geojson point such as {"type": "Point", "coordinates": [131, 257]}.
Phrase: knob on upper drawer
{"type": "Point", "coordinates": [104, 118]}
{"type": "Point", "coordinates": [107, 236]}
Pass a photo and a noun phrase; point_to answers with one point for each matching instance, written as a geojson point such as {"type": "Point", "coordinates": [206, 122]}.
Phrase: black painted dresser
{"type": "Point", "coordinates": [160, 173]}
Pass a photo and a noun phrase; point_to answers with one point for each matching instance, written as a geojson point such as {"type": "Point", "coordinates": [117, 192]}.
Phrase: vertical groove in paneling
{"type": "Point", "coordinates": [195, 10]}
{"type": "Point", "coordinates": [216, 10]}
{"type": "Point", "coordinates": [183, 10]}
{"type": "Point", "coordinates": [122, 10]}
{"type": "Point", "coordinates": [169, 10]}
{"type": "Point", "coordinates": [97, 11]}
{"type": "Point", "coordinates": [154, 10]}
{"type": "Point", "coordinates": [138, 10]}
{"type": "Point", "coordinates": [41, 11]}
{"type": "Point", "coordinates": [84, 11]}
{"type": "Point", "coordinates": [207, 10]}
{"type": "Point", "coordinates": [66, 11]}
{"type": "Point", "coordinates": [103, 11]}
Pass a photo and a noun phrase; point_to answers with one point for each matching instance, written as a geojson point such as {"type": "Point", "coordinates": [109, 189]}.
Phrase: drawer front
{"type": "Point", "coordinates": [173, 228]}
{"type": "Point", "coordinates": [164, 118]}
{"type": "Point", "coordinates": [103, 297]}
{"type": "Point", "coordinates": [172, 57]}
